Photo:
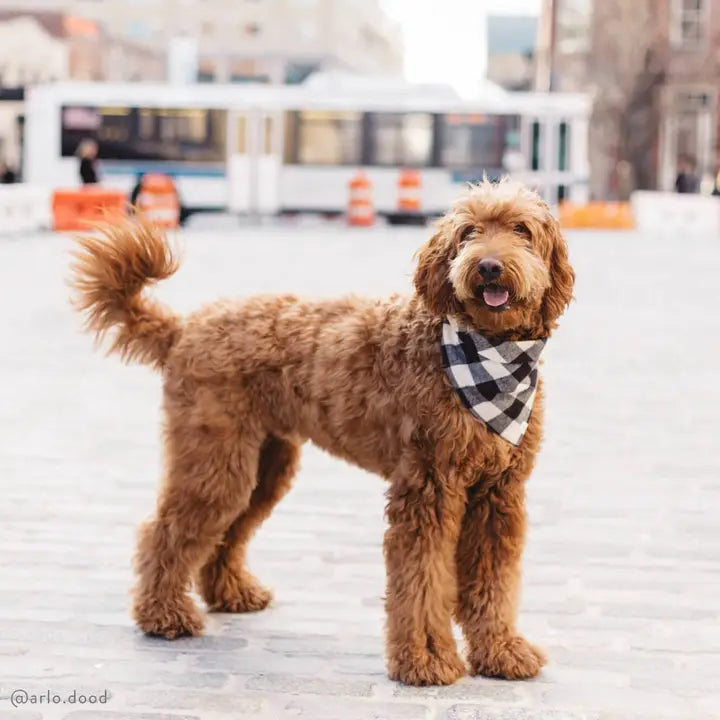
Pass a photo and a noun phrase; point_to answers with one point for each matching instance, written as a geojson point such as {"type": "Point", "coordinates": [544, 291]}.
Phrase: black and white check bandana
{"type": "Point", "coordinates": [495, 381]}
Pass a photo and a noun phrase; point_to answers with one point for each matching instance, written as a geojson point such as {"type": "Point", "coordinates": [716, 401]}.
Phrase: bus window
{"type": "Point", "coordinates": [146, 124]}
{"type": "Point", "coordinates": [481, 144]}
{"type": "Point", "coordinates": [473, 141]}
{"type": "Point", "coordinates": [401, 139]}
{"type": "Point", "coordinates": [152, 134]}
{"type": "Point", "coordinates": [323, 138]}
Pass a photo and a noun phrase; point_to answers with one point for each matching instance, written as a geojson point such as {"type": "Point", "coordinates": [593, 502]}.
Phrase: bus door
{"type": "Point", "coordinates": [254, 159]}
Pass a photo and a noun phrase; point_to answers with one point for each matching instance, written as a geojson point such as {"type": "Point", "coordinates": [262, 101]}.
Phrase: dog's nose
{"type": "Point", "coordinates": [490, 269]}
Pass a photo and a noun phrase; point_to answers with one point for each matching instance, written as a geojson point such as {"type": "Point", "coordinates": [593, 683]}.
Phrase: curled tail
{"type": "Point", "coordinates": [111, 268]}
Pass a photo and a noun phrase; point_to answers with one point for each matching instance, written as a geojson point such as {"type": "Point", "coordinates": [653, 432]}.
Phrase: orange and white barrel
{"type": "Point", "coordinates": [158, 200]}
{"type": "Point", "coordinates": [360, 209]}
{"type": "Point", "coordinates": [409, 186]}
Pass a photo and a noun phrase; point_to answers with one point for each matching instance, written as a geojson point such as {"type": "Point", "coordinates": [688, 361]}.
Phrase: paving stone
{"type": "Point", "coordinates": [297, 685]}
{"type": "Point", "coordinates": [478, 712]}
{"type": "Point", "coordinates": [203, 701]}
{"type": "Point", "coordinates": [312, 709]}
{"type": "Point", "coordinates": [109, 715]}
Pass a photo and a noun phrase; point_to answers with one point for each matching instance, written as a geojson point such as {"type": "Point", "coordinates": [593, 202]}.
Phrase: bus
{"type": "Point", "coordinates": [287, 149]}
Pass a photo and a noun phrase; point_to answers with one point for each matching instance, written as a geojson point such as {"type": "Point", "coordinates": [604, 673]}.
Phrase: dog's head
{"type": "Point", "coordinates": [497, 262]}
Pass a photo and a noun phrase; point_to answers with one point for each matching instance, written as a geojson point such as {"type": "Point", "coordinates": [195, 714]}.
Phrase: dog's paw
{"type": "Point", "coordinates": [232, 594]}
{"type": "Point", "coordinates": [437, 668]}
{"type": "Point", "coordinates": [248, 598]}
{"type": "Point", "coordinates": [168, 620]}
{"type": "Point", "coordinates": [512, 658]}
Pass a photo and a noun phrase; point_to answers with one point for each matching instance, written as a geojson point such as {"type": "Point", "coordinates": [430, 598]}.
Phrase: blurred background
{"type": "Point", "coordinates": [272, 106]}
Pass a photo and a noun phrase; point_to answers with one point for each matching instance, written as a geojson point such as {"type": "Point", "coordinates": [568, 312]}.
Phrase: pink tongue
{"type": "Point", "coordinates": [495, 297]}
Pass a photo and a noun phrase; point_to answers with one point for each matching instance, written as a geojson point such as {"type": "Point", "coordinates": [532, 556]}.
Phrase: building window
{"type": "Point", "coordinates": [402, 139]}
{"type": "Point", "coordinates": [324, 138]}
{"type": "Point", "coordinates": [690, 23]}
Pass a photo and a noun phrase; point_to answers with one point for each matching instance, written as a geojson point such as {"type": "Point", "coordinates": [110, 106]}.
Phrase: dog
{"type": "Point", "coordinates": [376, 382]}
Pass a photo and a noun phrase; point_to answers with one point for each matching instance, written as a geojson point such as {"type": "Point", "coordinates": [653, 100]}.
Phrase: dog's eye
{"type": "Point", "coordinates": [522, 229]}
{"type": "Point", "coordinates": [466, 233]}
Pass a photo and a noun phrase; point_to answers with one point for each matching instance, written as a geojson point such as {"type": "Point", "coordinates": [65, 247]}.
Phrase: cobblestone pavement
{"type": "Point", "coordinates": [622, 569]}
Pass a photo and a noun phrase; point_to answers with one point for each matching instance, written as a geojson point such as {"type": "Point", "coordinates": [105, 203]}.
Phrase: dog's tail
{"type": "Point", "coordinates": [111, 268]}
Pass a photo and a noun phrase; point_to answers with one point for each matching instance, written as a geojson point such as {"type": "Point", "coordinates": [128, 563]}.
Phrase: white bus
{"type": "Point", "coordinates": [269, 149]}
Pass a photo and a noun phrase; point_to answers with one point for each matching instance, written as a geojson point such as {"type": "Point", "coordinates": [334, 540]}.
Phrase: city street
{"type": "Point", "coordinates": [621, 580]}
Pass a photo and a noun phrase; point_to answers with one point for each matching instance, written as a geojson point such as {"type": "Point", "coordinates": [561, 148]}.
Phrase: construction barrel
{"type": "Point", "coordinates": [158, 200]}
{"type": "Point", "coordinates": [77, 209]}
{"type": "Point", "coordinates": [360, 211]}
{"type": "Point", "coordinates": [409, 191]}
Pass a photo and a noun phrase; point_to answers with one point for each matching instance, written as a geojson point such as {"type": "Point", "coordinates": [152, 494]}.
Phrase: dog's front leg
{"type": "Point", "coordinates": [424, 511]}
{"type": "Point", "coordinates": [488, 562]}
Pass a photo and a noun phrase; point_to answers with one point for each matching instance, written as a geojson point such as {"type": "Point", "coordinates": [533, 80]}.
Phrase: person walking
{"type": "Point", "coordinates": [686, 181]}
{"type": "Point", "coordinates": [88, 152]}
{"type": "Point", "coordinates": [7, 174]}
{"type": "Point", "coordinates": [716, 188]}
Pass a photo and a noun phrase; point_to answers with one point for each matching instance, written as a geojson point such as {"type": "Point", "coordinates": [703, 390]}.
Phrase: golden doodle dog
{"type": "Point", "coordinates": [437, 392]}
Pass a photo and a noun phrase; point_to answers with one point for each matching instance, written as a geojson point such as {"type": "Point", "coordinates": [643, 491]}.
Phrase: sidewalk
{"type": "Point", "coordinates": [622, 567]}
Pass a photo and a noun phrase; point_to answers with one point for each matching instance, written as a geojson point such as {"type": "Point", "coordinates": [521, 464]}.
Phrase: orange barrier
{"type": "Point", "coordinates": [158, 200]}
{"type": "Point", "coordinates": [409, 185]}
{"type": "Point", "coordinates": [77, 209]}
{"type": "Point", "coordinates": [597, 215]}
{"type": "Point", "coordinates": [360, 210]}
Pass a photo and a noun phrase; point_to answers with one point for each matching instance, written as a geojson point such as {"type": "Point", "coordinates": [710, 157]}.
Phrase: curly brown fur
{"type": "Point", "coordinates": [110, 270]}
{"type": "Point", "coordinates": [246, 383]}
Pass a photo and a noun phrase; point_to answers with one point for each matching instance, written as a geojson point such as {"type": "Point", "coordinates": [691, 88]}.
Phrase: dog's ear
{"type": "Point", "coordinates": [432, 275]}
{"type": "Point", "coordinates": [562, 276]}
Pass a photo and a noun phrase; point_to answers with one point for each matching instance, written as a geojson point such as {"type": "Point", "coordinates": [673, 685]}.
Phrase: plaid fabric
{"type": "Point", "coordinates": [495, 381]}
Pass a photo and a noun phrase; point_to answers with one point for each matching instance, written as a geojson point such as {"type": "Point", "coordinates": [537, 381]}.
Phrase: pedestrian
{"type": "Point", "coordinates": [716, 189]}
{"type": "Point", "coordinates": [88, 152]}
{"type": "Point", "coordinates": [7, 174]}
{"type": "Point", "coordinates": [686, 181]}
{"type": "Point", "coordinates": [135, 193]}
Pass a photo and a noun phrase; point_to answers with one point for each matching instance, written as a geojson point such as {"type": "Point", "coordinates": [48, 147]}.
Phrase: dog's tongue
{"type": "Point", "coordinates": [495, 297]}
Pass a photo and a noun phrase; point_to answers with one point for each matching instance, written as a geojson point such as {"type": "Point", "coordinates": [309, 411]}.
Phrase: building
{"type": "Point", "coordinates": [44, 46]}
{"type": "Point", "coordinates": [653, 66]}
{"type": "Point", "coordinates": [563, 48]}
{"type": "Point", "coordinates": [47, 46]}
{"type": "Point", "coordinates": [511, 41]}
{"type": "Point", "coordinates": [265, 40]}
{"type": "Point", "coordinates": [690, 119]}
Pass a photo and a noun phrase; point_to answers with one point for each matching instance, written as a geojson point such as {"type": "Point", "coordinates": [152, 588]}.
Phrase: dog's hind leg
{"type": "Point", "coordinates": [224, 581]}
{"type": "Point", "coordinates": [211, 474]}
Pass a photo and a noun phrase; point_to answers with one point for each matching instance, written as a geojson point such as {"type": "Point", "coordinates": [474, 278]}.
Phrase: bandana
{"type": "Point", "coordinates": [495, 381]}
